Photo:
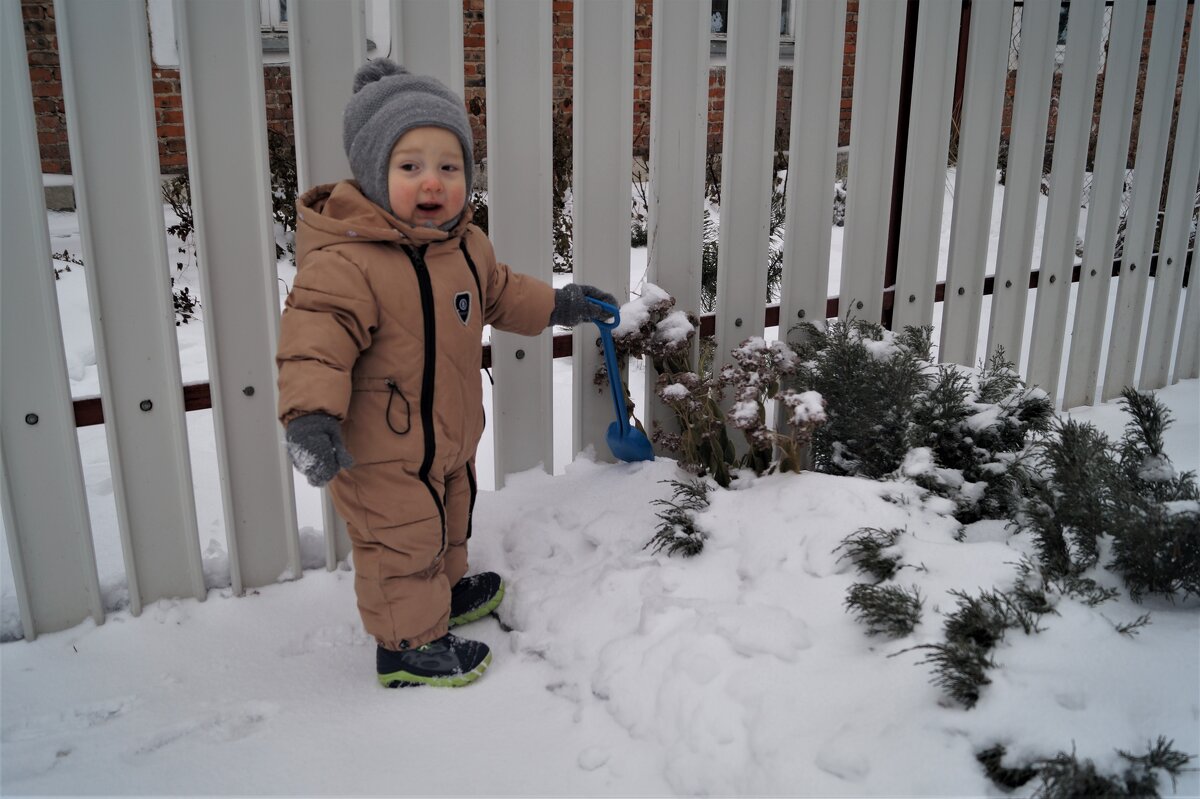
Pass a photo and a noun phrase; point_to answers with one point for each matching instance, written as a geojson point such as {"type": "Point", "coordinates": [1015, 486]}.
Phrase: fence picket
{"type": "Point", "coordinates": [751, 77]}
{"type": "Point", "coordinates": [1076, 104]}
{"type": "Point", "coordinates": [603, 153]}
{"type": "Point", "coordinates": [1108, 186]}
{"type": "Point", "coordinates": [678, 141]}
{"type": "Point", "coordinates": [925, 168]}
{"type": "Point", "coordinates": [812, 161]}
{"type": "Point", "coordinates": [45, 510]}
{"type": "Point", "coordinates": [327, 45]}
{"type": "Point", "coordinates": [1187, 352]}
{"type": "Point", "coordinates": [1172, 252]}
{"type": "Point", "coordinates": [1124, 341]}
{"type": "Point", "coordinates": [872, 156]}
{"type": "Point", "coordinates": [1023, 177]}
{"type": "Point", "coordinates": [427, 38]}
{"type": "Point", "coordinates": [104, 51]}
{"type": "Point", "coordinates": [226, 126]}
{"type": "Point", "coordinates": [975, 183]}
{"type": "Point", "coordinates": [518, 53]}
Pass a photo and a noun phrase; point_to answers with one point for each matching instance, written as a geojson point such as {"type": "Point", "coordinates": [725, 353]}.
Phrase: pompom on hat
{"type": "Point", "coordinates": [389, 101]}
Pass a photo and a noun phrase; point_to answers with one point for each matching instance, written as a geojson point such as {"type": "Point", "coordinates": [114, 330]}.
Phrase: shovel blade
{"type": "Point", "coordinates": [629, 445]}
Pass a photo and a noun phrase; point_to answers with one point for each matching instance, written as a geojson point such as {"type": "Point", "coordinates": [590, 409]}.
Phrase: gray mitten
{"type": "Point", "coordinates": [314, 443]}
{"type": "Point", "coordinates": [571, 306]}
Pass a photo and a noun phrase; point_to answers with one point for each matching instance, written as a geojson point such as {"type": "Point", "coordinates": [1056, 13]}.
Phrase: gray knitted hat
{"type": "Point", "coordinates": [388, 101]}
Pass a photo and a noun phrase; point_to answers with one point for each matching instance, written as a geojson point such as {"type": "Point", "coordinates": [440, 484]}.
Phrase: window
{"type": "Point", "coordinates": [720, 29]}
{"type": "Point", "coordinates": [274, 15]}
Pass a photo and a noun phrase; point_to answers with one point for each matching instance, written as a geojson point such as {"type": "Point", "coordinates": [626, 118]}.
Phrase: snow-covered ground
{"type": "Point", "coordinates": [621, 671]}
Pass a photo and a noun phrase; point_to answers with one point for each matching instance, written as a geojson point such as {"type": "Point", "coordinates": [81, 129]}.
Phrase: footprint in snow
{"type": "Point", "coordinates": [593, 758]}
{"type": "Point", "coordinates": [222, 727]}
{"type": "Point", "coordinates": [335, 636]}
{"type": "Point", "coordinates": [81, 718]}
{"type": "Point", "coordinates": [842, 757]}
{"type": "Point", "coordinates": [1071, 700]}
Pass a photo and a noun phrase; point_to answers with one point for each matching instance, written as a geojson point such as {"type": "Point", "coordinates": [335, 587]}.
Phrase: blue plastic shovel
{"type": "Point", "coordinates": [626, 442]}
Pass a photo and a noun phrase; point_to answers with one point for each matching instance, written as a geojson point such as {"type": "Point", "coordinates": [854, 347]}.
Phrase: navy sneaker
{"type": "Point", "coordinates": [448, 662]}
{"type": "Point", "coordinates": [474, 597]}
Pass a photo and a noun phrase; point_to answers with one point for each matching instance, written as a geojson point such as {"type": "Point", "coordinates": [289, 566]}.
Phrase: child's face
{"type": "Point", "coordinates": [426, 183]}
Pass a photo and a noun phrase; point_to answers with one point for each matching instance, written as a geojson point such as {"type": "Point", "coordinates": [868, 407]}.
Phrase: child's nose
{"type": "Point", "coordinates": [432, 182]}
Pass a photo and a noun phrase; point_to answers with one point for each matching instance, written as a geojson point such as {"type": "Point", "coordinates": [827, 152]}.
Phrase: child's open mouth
{"type": "Point", "coordinates": [429, 208]}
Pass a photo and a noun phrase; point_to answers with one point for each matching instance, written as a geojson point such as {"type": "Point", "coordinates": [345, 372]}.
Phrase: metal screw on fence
{"type": "Point", "coordinates": [520, 354]}
{"type": "Point", "coordinates": [912, 297]}
{"type": "Point", "coordinates": [248, 391]}
{"type": "Point", "coordinates": [1008, 284]}
{"type": "Point", "coordinates": [859, 305]}
{"type": "Point", "coordinates": [737, 322]}
{"type": "Point", "coordinates": [1053, 278]}
{"type": "Point", "coordinates": [31, 418]}
{"type": "Point", "coordinates": [961, 291]}
{"type": "Point", "coordinates": [800, 314]}
{"type": "Point", "coordinates": [145, 405]}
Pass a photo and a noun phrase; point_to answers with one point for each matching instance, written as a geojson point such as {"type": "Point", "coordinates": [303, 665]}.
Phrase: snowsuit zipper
{"type": "Point", "coordinates": [416, 255]}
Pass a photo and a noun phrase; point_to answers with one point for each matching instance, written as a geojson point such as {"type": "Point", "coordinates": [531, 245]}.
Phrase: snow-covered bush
{"type": "Point", "coordinates": [872, 551]}
{"type": "Point", "coordinates": [870, 379]}
{"type": "Point", "coordinates": [1065, 776]}
{"type": "Point", "coordinates": [677, 532]}
{"type": "Point", "coordinates": [960, 433]}
{"type": "Point", "coordinates": [885, 609]}
{"type": "Point", "coordinates": [1090, 491]}
{"type": "Point", "coordinates": [960, 663]}
{"type": "Point", "coordinates": [650, 328]}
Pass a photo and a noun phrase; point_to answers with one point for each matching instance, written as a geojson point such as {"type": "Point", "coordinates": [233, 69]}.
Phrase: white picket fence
{"type": "Point", "coordinates": [106, 75]}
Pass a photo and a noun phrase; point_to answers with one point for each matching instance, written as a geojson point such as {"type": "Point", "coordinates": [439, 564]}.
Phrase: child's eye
{"type": "Point", "coordinates": [450, 168]}
{"type": "Point", "coordinates": [408, 167]}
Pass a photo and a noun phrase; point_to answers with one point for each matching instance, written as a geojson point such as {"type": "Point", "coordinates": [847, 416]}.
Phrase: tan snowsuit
{"type": "Point", "coordinates": [382, 330]}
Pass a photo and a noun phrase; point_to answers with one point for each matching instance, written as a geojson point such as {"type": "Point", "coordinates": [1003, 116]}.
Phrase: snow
{"type": "Point", "coordinates": [621, 672]}
{"type": "Point", "coordinates": [674, 328]}
{"type": "Point", "coordinates": [675, 391]}
{"type": "Point", "coordinates": [636, 312]}
{"type": "Point", "coordinates": [807, 406]}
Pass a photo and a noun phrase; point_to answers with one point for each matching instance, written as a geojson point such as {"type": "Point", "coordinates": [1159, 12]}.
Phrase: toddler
{"type": "Point", "coordinates": [379, 360]}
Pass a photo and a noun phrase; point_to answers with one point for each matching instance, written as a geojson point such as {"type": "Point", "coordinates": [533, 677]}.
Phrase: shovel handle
{"type": "Point", "coordinates": [610, 362]}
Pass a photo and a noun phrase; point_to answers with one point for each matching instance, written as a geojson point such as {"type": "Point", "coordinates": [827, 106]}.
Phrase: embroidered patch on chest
{"type": "Point", "coordinates": [462, 306]}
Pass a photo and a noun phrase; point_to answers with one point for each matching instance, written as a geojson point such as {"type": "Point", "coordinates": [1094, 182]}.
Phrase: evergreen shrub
{"type": "Point", "coordinates": [1089, 490]}
{"type": "Point", "coordinates": [960, 433]}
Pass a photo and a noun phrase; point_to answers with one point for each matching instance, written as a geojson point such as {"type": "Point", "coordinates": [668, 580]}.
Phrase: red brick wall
{"type": "Point", "coordinates": [41, 42]}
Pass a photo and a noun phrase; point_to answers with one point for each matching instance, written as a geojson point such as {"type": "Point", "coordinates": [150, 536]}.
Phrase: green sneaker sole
{"type": "Point", "coordinates": [405, 679]}
{"type": "Point", "coordinates": [479, 612]}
